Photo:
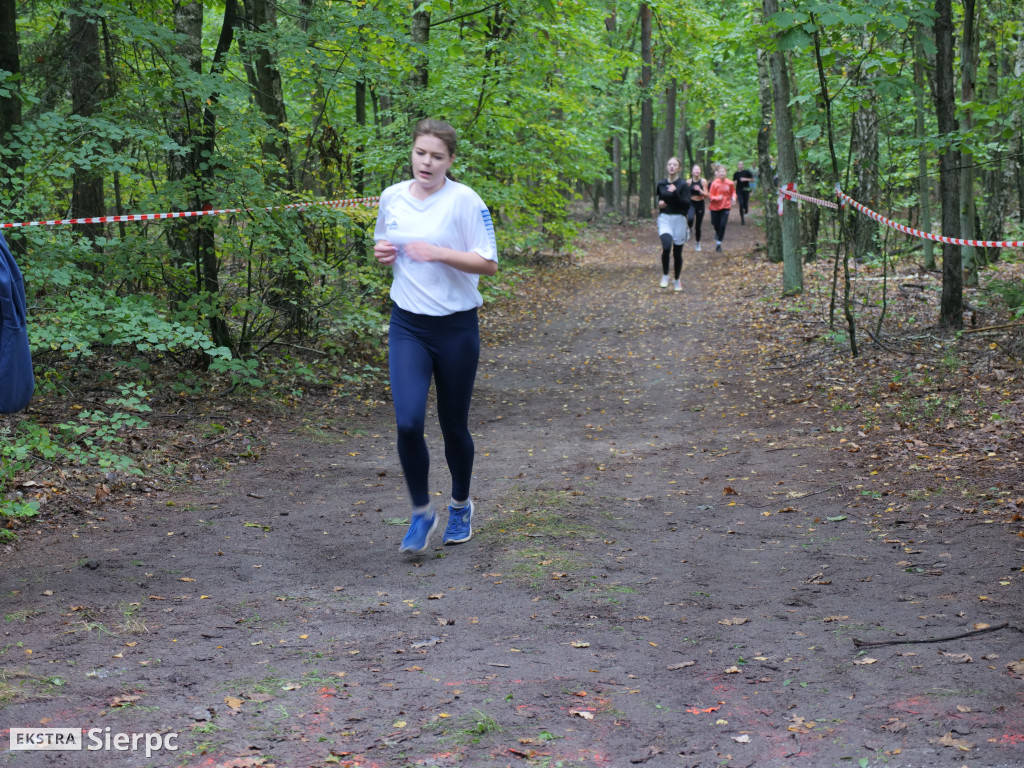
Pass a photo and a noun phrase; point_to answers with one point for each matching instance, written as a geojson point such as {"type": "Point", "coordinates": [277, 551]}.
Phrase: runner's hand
{"type": "Point", "coordinates": [421, 251]}
{"type": "Point", "coordinates": [385, 252]}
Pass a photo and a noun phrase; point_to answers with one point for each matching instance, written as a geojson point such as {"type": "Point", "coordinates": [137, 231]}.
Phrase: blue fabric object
{"type": "Point", "coordinates": [16, 380]}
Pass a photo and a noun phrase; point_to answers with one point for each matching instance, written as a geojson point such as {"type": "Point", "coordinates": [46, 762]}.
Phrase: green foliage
{"type": "Point", "coordinates": [1010, 291]}
{"type": "Point", "coordinates": [94, 438]}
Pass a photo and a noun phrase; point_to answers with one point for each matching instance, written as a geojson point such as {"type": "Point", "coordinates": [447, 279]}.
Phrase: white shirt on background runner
{"type": "Point", "coordinates": [453, 217]}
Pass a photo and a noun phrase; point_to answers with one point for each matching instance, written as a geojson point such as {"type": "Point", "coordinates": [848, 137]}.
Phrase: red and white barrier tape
{"type": "Point", "coordinates": [790, 193]}
{"type": "Point", "coordinates": [846, 199]}
{"type": "Point", "coordinates": [355, 201]}
{"type": "Point", "coordinates": [786, 189]}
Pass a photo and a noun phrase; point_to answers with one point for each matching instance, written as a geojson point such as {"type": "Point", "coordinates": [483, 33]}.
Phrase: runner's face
{"type": "Point", "coordinates": [672, 166]}
{"type": "Point", "coordinates": [695, 172]}
{"type": "Point", "coordinates": [430, 162]}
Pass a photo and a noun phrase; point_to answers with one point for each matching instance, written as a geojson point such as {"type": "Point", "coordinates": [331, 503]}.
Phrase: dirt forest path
{"type": "Point", "coordinates": [673, 556]}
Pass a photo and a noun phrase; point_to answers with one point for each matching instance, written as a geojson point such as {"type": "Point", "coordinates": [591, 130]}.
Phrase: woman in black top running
{"type": "Point", "coordinates": [673, 205]}
{"type": "Point", "coordinates": [698, 187]}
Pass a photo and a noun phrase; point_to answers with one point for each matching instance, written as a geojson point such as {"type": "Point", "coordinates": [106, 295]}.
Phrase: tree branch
{"type": "Point", "coordinates": [871, 643]}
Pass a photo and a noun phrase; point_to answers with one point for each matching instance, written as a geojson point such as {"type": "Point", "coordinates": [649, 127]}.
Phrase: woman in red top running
{"type": "Point", "coordinates": [722, 193]}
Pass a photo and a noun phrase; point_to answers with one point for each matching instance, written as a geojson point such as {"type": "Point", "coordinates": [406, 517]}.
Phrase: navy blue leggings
{"type": "Point", "coordinates": [447, 349]}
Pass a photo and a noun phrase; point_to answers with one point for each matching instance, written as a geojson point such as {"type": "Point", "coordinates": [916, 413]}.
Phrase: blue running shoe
{"type": "Point", "coordinates": [417, 538]}
{"type": "Point", "coordinates": [460, 524]}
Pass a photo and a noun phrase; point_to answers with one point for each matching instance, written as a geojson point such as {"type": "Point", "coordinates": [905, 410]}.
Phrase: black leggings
{"type": "Point", "coordinates": [719, 219]}
{"type": "Point", "coordinates": [677, 255]}
{"type": "Point", "coordinates": [744, 200]}
{"type": "Point", "coordinates": [697, 211]}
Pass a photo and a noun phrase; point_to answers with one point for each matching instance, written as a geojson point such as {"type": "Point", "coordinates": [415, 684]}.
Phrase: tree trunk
{"type": "Point", "coordinates": [360, 94]}
{"type": "Point", "coordinates": [289, 290]}
{"type": "Point", "coordinates": [183, 123]}
{"type": "Point", "coordinates": [630, 155]}
{"type": "Point", "coordinates": [647, 181]}
{"type": "Point", "coordinates": [765, 171]}
{"type": "Point", "coordinates": [10, 105]}
{"type": "Point", "coordinates": [118, 144]}
{"type": "Point", "coordinates": [420, 37]}
{"type": "Point", "coordinates": [709, 148]}
{"type": "Point", "coordinates": [685, 146]}
{"type": "Point", "coordinates": [951, 311]}
{"type": "Point", "coordinates": [864, 148]}
{"type": "Point", "coordinates": [87, 197]}
{"type": "Point", "coordinates": [1016, 165]}
{"type": "Point", "coordinates": [923, 187]}
{"type": "Point", "coordinates": [792, 269]}
{"type": "Point", "coordinates": [968, 85]}
{"type": "Point", "coordinates": [206, 149]}
{"type": "Point", "coordinates": [268, 94]}
{"type": "Point", "coordinates": [670, 124]}
{"type": "Point", "coordinates": [617, 178]}
{"type": "Point", "coordinates": [997, 182]}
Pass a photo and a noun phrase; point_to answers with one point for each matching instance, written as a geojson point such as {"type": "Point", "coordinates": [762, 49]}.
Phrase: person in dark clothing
{"type": "Point", "coordinates": [673, 205]}
{"type": "Point", "coordinates": [698, 187]}
{"type": "Point", "coordinates": [17, 382]}
{"type": "Point", "coordinates": [743, 178]}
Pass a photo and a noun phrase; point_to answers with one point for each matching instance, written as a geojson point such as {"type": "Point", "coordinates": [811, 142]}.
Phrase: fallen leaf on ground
{"type": "Point", "coordinates": [742, 739]}
{"type": "Point", "coordinates": [696, 711]}
{"type": "Point", "coordinates": [835, 618]}
{"type": "Point", "coordinates": [733, 622]}
{"type": "Point", "coordinates": [733, 670]}
{"type": "Point", "coordinates": [682, 665]}
{"type": "Point", "coordinates": [895, 725]}
{"type": "Point", "coordinates": [865, 661]}
{"type": "Point", "coordinates": [950, 741]}
{"type": "Point", "coordinates": [1016, 667]}
{"type": "Point", "coordinates": [427, 643]}
{"type": "Point", "coordinates": [579, 644]}
{"type": "Point", "coordinates": [958, 658]}
{"type": "Point", "coordinates": [581, 713]}
{"type": "Point", "coordinates": [233, 702]}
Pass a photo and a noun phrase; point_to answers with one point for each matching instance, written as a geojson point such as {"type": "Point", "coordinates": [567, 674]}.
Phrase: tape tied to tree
{"type": "Point", "coordinates": [788, 192]}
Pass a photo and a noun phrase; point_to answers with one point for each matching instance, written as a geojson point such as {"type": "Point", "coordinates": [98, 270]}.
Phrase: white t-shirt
{"type": "Point", "coordinates": [453, 217]}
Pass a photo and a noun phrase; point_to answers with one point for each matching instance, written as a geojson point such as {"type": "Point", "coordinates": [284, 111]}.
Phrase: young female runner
{"type": "Point", "coordinates": [437, 236]}
{"type": "Point", "coordinates": [673, 204]}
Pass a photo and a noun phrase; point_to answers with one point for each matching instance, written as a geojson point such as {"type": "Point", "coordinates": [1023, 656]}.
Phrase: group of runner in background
{"type": "Point", "coordinates": [681, 208]}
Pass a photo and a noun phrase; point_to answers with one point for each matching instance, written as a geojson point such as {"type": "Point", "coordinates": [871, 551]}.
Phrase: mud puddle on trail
{"type": "Point", "coordinates": [669, 568]}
